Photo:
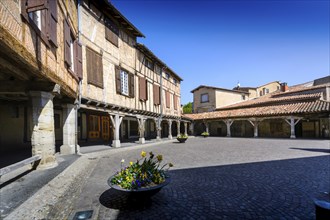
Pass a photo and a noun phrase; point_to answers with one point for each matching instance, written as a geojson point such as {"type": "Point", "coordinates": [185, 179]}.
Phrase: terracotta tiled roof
{"type": "Point", "coordinates": [317, 106]}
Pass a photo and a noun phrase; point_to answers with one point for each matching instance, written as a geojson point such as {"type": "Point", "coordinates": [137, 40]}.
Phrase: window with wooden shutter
{"type": "Point", "coordinates": [94, 68]}
{"type": "Point", "coordinates": [156, 95]}
{"type": "Point", "coordinates": [118, 80]}
{"type": "Point", "coordinates": [67, 43]}
{"type": "Point", "coordinates": [111, 31]}
{"type": "Point", "coordinates": [52, 22]}
{"type": "Point", "coordinates": [35, 5]}
{"type": "Point", "coordinates": [78, 61]}
{"type": "Point", "coordinates": [131, 85]}
{"type": "Point", "coordinates": [143, 94]}
{"type": "Point", "coordinates": [175, 100]}
{"type": "Point", "coordinates": [168, 104]}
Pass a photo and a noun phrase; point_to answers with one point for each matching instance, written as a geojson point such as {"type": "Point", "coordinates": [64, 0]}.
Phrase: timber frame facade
{"type": "Point", "coordinates": [72, 72]}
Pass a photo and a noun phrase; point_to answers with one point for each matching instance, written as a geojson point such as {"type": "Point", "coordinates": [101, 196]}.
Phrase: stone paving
{"type": "Point", "coordinates": [213, 178]}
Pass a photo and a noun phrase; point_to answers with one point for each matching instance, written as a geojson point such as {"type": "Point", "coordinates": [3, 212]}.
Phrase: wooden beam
{"type": "Point", "coordinates": [19, 86]}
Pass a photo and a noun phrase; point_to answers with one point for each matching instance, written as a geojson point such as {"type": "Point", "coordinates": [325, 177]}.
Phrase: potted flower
{"type": "Point", "coordinates": [182, 138]}
{"type": "Point", "coordinates": [205, 134]}
{"type": "Point", "coordinates": [144, 178]}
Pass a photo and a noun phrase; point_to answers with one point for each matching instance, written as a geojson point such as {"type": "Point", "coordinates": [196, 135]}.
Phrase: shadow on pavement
{"type": "Point", "coordinates": [282, 189]}
{"type": "Point", "coordinates": [312, 149]}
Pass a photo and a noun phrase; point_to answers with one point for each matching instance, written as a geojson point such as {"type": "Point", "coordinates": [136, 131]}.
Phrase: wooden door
{"type": "Point", "coordinates": [105, 128]}
{"type": "Point", "coordinates": [94, 127]}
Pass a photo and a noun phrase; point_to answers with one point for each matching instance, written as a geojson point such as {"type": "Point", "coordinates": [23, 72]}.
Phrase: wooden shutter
{"type": "Point", "coordinates": [167, 99]}
{"type": "Point", "coordinates": [175, 100]}
{"type": "Point", "coordinates": [118, 80]}
{"type": "Point", "coordinates": [98, 69]}
{"type": "Point", "coordinates": [78, 60]}
{"type": "Point", "coordinates": [52, 20]}
{"type": "Point", "coordinates": [131, 85]}
{"type": "Point", "coordinates": [156, 95]}
{"type": "Point", "coordinates": [35, 5]}
{"type": "Point", "coordinates": [67, 38]}
{"type": "Point", "coordinates": [89, 67]}
{"type": "Point", "coordinates": [44, 21]}
{"type": "Point", "coordinates": [111, 31]}
{"type": "Point", "coordinates": [143, 94]}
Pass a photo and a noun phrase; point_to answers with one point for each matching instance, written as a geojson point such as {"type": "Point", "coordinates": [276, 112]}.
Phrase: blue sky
{"type": "Point", "coordinates": [219, 43]}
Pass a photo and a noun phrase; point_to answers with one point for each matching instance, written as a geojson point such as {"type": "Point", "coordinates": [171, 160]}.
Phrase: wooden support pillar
{"type": "Point", "coordinates": [141, 122]}
{"type": "Point", "coordinates": [255, 124]}
{"type": "Point", "coordinates": [169, 121]}
{"type": "Point", "coordinates": [178, 128]}
{"type": "Point", "coordinates": [292, 124]}
{"type": "Point", "coordinates": [185, 128]}
{"type": "Point", "coordinates": [116, 121]}
{"type": "Point", "coordinates": [206, 127]}
{"type": "Point", "coordinates": [191, 127]}
{"type": "Point", "coordinates": [228, 122]}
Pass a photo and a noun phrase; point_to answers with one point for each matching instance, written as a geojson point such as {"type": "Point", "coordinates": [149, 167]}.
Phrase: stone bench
{"type": "Point", "coordinates": [20, 164]}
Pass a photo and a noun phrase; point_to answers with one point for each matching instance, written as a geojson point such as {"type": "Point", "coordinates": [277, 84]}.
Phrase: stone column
{"type": "Point", "coordinates": [158, 122]}
{"type": "Point", "coordinates": [178, 128]}
{"type": "Point", "coordinates": [206, 127]}
{"type": "Point", "coordinates": [228, 122]}
{"type": "Point", "coordinates": [185, 129]}
{"type": "Point", "coordinates": [69, 123]}
{"type": "Point", "coordinates": [116, 121]}
{"type": "Point", "coordinates": [43, 131]}
{"type": "Point", "coordinates": [141, 122]}
{"type": "Point", "coordinates": [191, 127]}
{"type": "Point", "coordinates": [169, 129]}
{"type": "Point", "coordinates": [292, 124]}
{"type": "Point", "coordinates": [255, 124]}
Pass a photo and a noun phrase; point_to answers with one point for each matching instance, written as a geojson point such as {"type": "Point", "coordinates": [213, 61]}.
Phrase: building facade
{"type": "Point", "coordinates": [298, 111]}
{"type": "Point", "coordinates": [37, 75]}
{"type": "Point", "coordinates": [72, 73]}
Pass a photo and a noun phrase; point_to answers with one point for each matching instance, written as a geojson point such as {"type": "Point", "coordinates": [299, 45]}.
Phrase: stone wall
{"type": "Point", "coordinates": [205, 106]}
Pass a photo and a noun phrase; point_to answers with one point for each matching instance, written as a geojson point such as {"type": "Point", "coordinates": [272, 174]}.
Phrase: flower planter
{"type": "Point", "coordinates": [205, 136]}
{"type": "Point", "coordinates": [182, 140]}
{"type": "Point", "coordinates": [141, 193]}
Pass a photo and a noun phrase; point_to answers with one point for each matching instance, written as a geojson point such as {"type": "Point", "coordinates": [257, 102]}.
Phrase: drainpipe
{"type": "Point", "coordinates": [78, 102]}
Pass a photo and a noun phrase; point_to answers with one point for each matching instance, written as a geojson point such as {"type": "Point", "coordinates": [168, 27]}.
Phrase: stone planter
{"type": "Point", "coordinates": [182, 140]}
{"type": "Point", "coordinates": [141, 193]}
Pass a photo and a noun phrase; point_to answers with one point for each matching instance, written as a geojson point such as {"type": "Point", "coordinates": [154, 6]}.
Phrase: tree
{"type": "Point", "coordinates": [187, 108]}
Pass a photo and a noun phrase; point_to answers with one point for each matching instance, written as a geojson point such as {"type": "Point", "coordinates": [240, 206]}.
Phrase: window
{"type": "Point", "coordinates": [42, 15]}
{"type": "Point", "coordinates": [175, 81]}
{"type": "Point", "coordinates": [204, 97]}
{"type": "Point", "coordinates": [143, 89]}
{"type": "Point", "coordinates": [167, 76]}
{"type": "Point", "coordinates": [175, 102]}
{"type": "Point", "coordinates": [94, 68]}
{"type": "Point", "coordinates": [168, 103]}
{"type": "Point", "coordinates": [243, 97]}
{"type": "Point", "coordinates": [72, 51]}
{"type": "Point", "coordinates": [124, 82]}
{"type": "Point", "coordinates": [158, 70]}
{"type": "Point", "coordinates": [148, 63]}
{"type": "Point", "coordinates": [111, 31]}
{"type": "Point", "coordinates": [36, 18]}
{"type": "Point", "coordinates": [156, 95]}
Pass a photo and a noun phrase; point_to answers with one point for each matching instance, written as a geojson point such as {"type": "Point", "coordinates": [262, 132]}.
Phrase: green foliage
{"type": "Point", "coordinates": [182, 136]}
{"type": "Point", "coordinates": [187, 108]}
{"type": "Point", "coordinates": [205, 133]}
{"type": "Point", "coordinates": [142, 174]}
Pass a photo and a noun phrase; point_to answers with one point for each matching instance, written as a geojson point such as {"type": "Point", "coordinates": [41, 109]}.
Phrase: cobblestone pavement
{"type": "Point", "coordinates": [213, 178]}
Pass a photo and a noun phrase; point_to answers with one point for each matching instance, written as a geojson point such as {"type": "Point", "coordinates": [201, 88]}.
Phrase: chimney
{"type": "Point", "coordinates": [284, 87]}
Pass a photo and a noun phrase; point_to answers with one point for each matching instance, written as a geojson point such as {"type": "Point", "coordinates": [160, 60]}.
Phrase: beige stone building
{"type": "Point", "coordinates": [301, 111]}
{"type": "Point", "coordinates": [74, 74]}
{"type": "Point", "coordinates": [127, 93]}
{"type": "Point", "coordinates": [40, 69]}
{"type": "Point", "coordinates": [209, 98]}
